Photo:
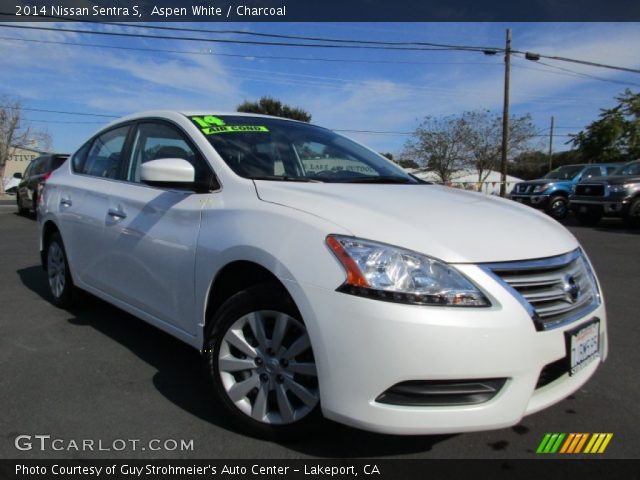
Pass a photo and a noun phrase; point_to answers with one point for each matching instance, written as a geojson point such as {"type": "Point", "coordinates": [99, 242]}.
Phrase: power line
{"type": "Point", "coordinates": [573, 73]}
{"type": "Point", "coordinates": [373, 132]}
{"type": "Point", "coordinates": [281, 36]}
{"type": "Point", "coordinates": [316, 80]}
{"type": "Point", "coordinates": [60, 111]}
{"type": "Point", "coordinates": [243, 56]}
{"type": "Point", "coordinates": [574, 60]}
{"type": "Point", "coordinates": [220, 40]}
{"type": "Point", "coordinates": [61, 122]}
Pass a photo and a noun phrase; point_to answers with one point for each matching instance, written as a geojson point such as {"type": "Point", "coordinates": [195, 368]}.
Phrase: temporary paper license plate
{"type": "Point", "coordinates": [583, 344]}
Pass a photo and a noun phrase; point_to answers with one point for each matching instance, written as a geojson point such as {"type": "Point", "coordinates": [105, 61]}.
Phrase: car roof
{"type": "Point", "coordinates": [177, 115]}
{"type": "Point", "coordinates": [192, 113]}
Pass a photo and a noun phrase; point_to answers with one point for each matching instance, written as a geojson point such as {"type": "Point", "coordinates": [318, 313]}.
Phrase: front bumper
{"type": "Point", "coordinates": [536, 201]}
{"type": "Point", "coordinates": [610, 206]}
{"type": "Point", "coordinates": [362, 347]}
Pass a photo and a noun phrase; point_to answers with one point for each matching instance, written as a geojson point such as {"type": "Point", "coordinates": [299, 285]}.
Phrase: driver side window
{"type": "Point", "coordinates": [154, 141]}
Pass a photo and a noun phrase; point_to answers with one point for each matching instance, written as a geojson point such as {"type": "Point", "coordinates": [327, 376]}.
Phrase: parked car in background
{"type": "Point", "coordinates": [551, 192]}
{"type": "Point", "coordinates": [315, 275]}
{"type": "Point", "coordinates": [11, 184]}
{"type": "Point", "coordinates": [615, 196]}
{"type": "Point", "coordinates": [36, 173]}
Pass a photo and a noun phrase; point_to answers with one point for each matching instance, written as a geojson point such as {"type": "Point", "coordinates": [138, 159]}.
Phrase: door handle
{"type": "Point", "coordinates": [117, 213]}
{"type": "Point", "coordinates": [66, 202]}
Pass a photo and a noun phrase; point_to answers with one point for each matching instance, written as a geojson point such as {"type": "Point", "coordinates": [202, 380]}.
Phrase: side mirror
{"type": "Point", "coordinates": [17, 175]}
{"type": "Point", "coordinates": [168, 172]}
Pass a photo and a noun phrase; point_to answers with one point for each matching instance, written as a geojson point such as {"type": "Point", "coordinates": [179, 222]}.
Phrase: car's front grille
{"type": "Point", "coordinates": [590, 190]}
{"type": "Point", "coordinates": [555, 290]}
{"type": "Point", "coordinates": [523, 188]}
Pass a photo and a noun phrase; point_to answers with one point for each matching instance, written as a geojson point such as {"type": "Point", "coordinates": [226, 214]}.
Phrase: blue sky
{"type": "Point", "coordinates": [389, 97]}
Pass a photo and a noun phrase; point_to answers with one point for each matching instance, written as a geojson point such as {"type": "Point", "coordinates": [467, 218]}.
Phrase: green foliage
{"type": "Point", "coordinates": [405, 163]}
{"type": "Point", "coordinates": [615, 136]}
{"type": "Point", "coordinates": [271, 106]}
{"type": "Point", "coordinates": [535, 164]}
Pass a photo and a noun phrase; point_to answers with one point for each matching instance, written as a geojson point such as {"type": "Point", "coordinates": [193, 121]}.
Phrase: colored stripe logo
{"type": "Point", "coordinates": [574, 442]}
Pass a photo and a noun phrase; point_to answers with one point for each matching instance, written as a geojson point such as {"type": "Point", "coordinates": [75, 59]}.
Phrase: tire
{"type": "Point", "coordinates": [35, 205]}
{"type": "Point", "coordinates": [21, 210]}
{"type": "Point", "coordinates": [258, 359]}
{"type": "Point", "coordinates": [588, 219]}
{"type": "Point", "coordinates": [61, 287]}
{"type": "Point", "coordinates": [632, 217]}
{"type": "Point", "coordinates": [558, 207]}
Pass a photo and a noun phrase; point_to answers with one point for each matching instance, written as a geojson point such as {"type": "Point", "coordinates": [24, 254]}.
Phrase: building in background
{"type": "Point", "coordinates": [468, 180]}
{"type": "Point", "coordinates": [18, 162]}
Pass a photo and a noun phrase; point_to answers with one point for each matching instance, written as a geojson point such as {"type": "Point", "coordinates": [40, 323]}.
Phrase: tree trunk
{"type": "Point", "coordinates": [2, 169]}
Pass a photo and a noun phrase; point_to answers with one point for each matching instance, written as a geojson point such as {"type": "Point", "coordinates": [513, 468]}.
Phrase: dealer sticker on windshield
{"type": "Point", "coordinates": [212, 125]}
{"type": "Point", "coordinates": [583, 344]}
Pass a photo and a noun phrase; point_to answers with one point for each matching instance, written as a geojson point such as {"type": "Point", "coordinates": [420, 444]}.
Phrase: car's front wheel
{"type": "Point", "coordinates": [60, 282]}
{"type": "Point", "coordinates": [632, 218]}
{"type": "Point", "coordinates": [259, 359]}
{"type": "Point", "coordinates": [558, 207]}
{"type": "Point", "coordinates": [21, 210]}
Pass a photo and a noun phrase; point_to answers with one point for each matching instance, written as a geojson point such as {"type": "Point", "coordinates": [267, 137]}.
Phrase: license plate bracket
{"type": "Point", "coordinates": [583, 345]}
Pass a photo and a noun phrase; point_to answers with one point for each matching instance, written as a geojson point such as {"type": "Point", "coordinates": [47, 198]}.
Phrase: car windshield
{"type": "Point", "coordinates": [632, 168]}
{"type": "Point", "coordinates": [564, 173]}
{"type": "Point", "coordinates": [270, 149]}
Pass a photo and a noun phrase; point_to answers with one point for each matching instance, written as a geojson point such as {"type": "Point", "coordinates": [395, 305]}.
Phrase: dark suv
{"type": "Point", "coordinates": [33, 179]}
{"type": "Point", "coordinates": [617, 195]}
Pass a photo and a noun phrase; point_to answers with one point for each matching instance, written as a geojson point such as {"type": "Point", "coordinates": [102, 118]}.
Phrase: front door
{"type": "Point", "coordinates": [153, 232]}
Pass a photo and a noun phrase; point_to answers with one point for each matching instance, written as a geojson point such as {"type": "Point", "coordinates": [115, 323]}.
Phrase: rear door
{"type": "Point", "coordinates": [83, 204]}
{"type": "Point", "coordinates": [152, 232]}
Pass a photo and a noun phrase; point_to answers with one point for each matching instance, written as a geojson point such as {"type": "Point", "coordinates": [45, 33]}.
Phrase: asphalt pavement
{"type": "Point", "coordinates": [96, 373]}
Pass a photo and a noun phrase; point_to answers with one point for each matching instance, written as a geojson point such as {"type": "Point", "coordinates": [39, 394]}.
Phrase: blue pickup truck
{"type": "Point", "coordinates": [551, 192]}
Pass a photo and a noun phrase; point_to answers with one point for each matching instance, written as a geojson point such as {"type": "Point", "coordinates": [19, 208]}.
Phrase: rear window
{"type": "Point", "coordinates": [629, 169]}
{"type": "Point", "coordinates": [57, 161]}
{"type": "Point", "coordinates": [40, 166]}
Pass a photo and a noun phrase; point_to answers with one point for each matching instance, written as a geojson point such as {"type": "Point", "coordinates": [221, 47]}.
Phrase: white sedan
{"type": "Point", "coordinates": [316, 276]}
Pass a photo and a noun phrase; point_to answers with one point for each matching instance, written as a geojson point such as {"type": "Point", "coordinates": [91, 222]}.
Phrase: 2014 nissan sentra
{"type": "Point", "coordinates": [317, 276]}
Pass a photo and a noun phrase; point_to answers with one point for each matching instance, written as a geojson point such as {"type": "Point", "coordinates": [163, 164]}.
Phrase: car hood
{"type": "Point", "coordinates": [543, 181]}
{"type": "Point", "coordinates": [452, 225]}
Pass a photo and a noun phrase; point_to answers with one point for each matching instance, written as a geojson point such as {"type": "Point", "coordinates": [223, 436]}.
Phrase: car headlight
{"type": "Point", "coordinates": [541, 188]}
{"type": "Point", "coordinates": [618, 188]}
{"type": "Point", "coordinates": [384, 272]}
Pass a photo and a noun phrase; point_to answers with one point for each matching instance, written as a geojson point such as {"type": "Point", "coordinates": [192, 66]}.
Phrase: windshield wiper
{"type": "Point", "coordinates": [381, 179]}
{"type": "Point", "coordinates": [285, 178]}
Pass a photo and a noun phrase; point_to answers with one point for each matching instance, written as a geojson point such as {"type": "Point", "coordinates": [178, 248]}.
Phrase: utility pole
{"type": "Point", "coordinates": [505, 116]}
{"type": "Point", "coordinates": [551, 145]}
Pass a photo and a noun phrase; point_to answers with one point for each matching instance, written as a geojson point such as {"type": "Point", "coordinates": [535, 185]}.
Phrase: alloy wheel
{"type": "Point", "coordinates": [56, 269]}
{"type": "Point", "coordinates": [267, 367]}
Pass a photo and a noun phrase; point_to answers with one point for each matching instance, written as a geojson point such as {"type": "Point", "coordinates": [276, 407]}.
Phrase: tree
{"type": "Point", "coordinates": [271, 106]}
{"type": "Point", "coordinates": [404, 163]}
{"type": "Point", "coordinates": [438, 145]}
{"type": "Point", "coordinates": [615, 136]}
{"type": "Point", "coordinates": [14, 136]}
{"type": "Point", "coordinates": [483, 139]}
{"type": "Point", "coordinates": [530, 165]}
{"type": "Point", "coordinates": [471, 140]}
